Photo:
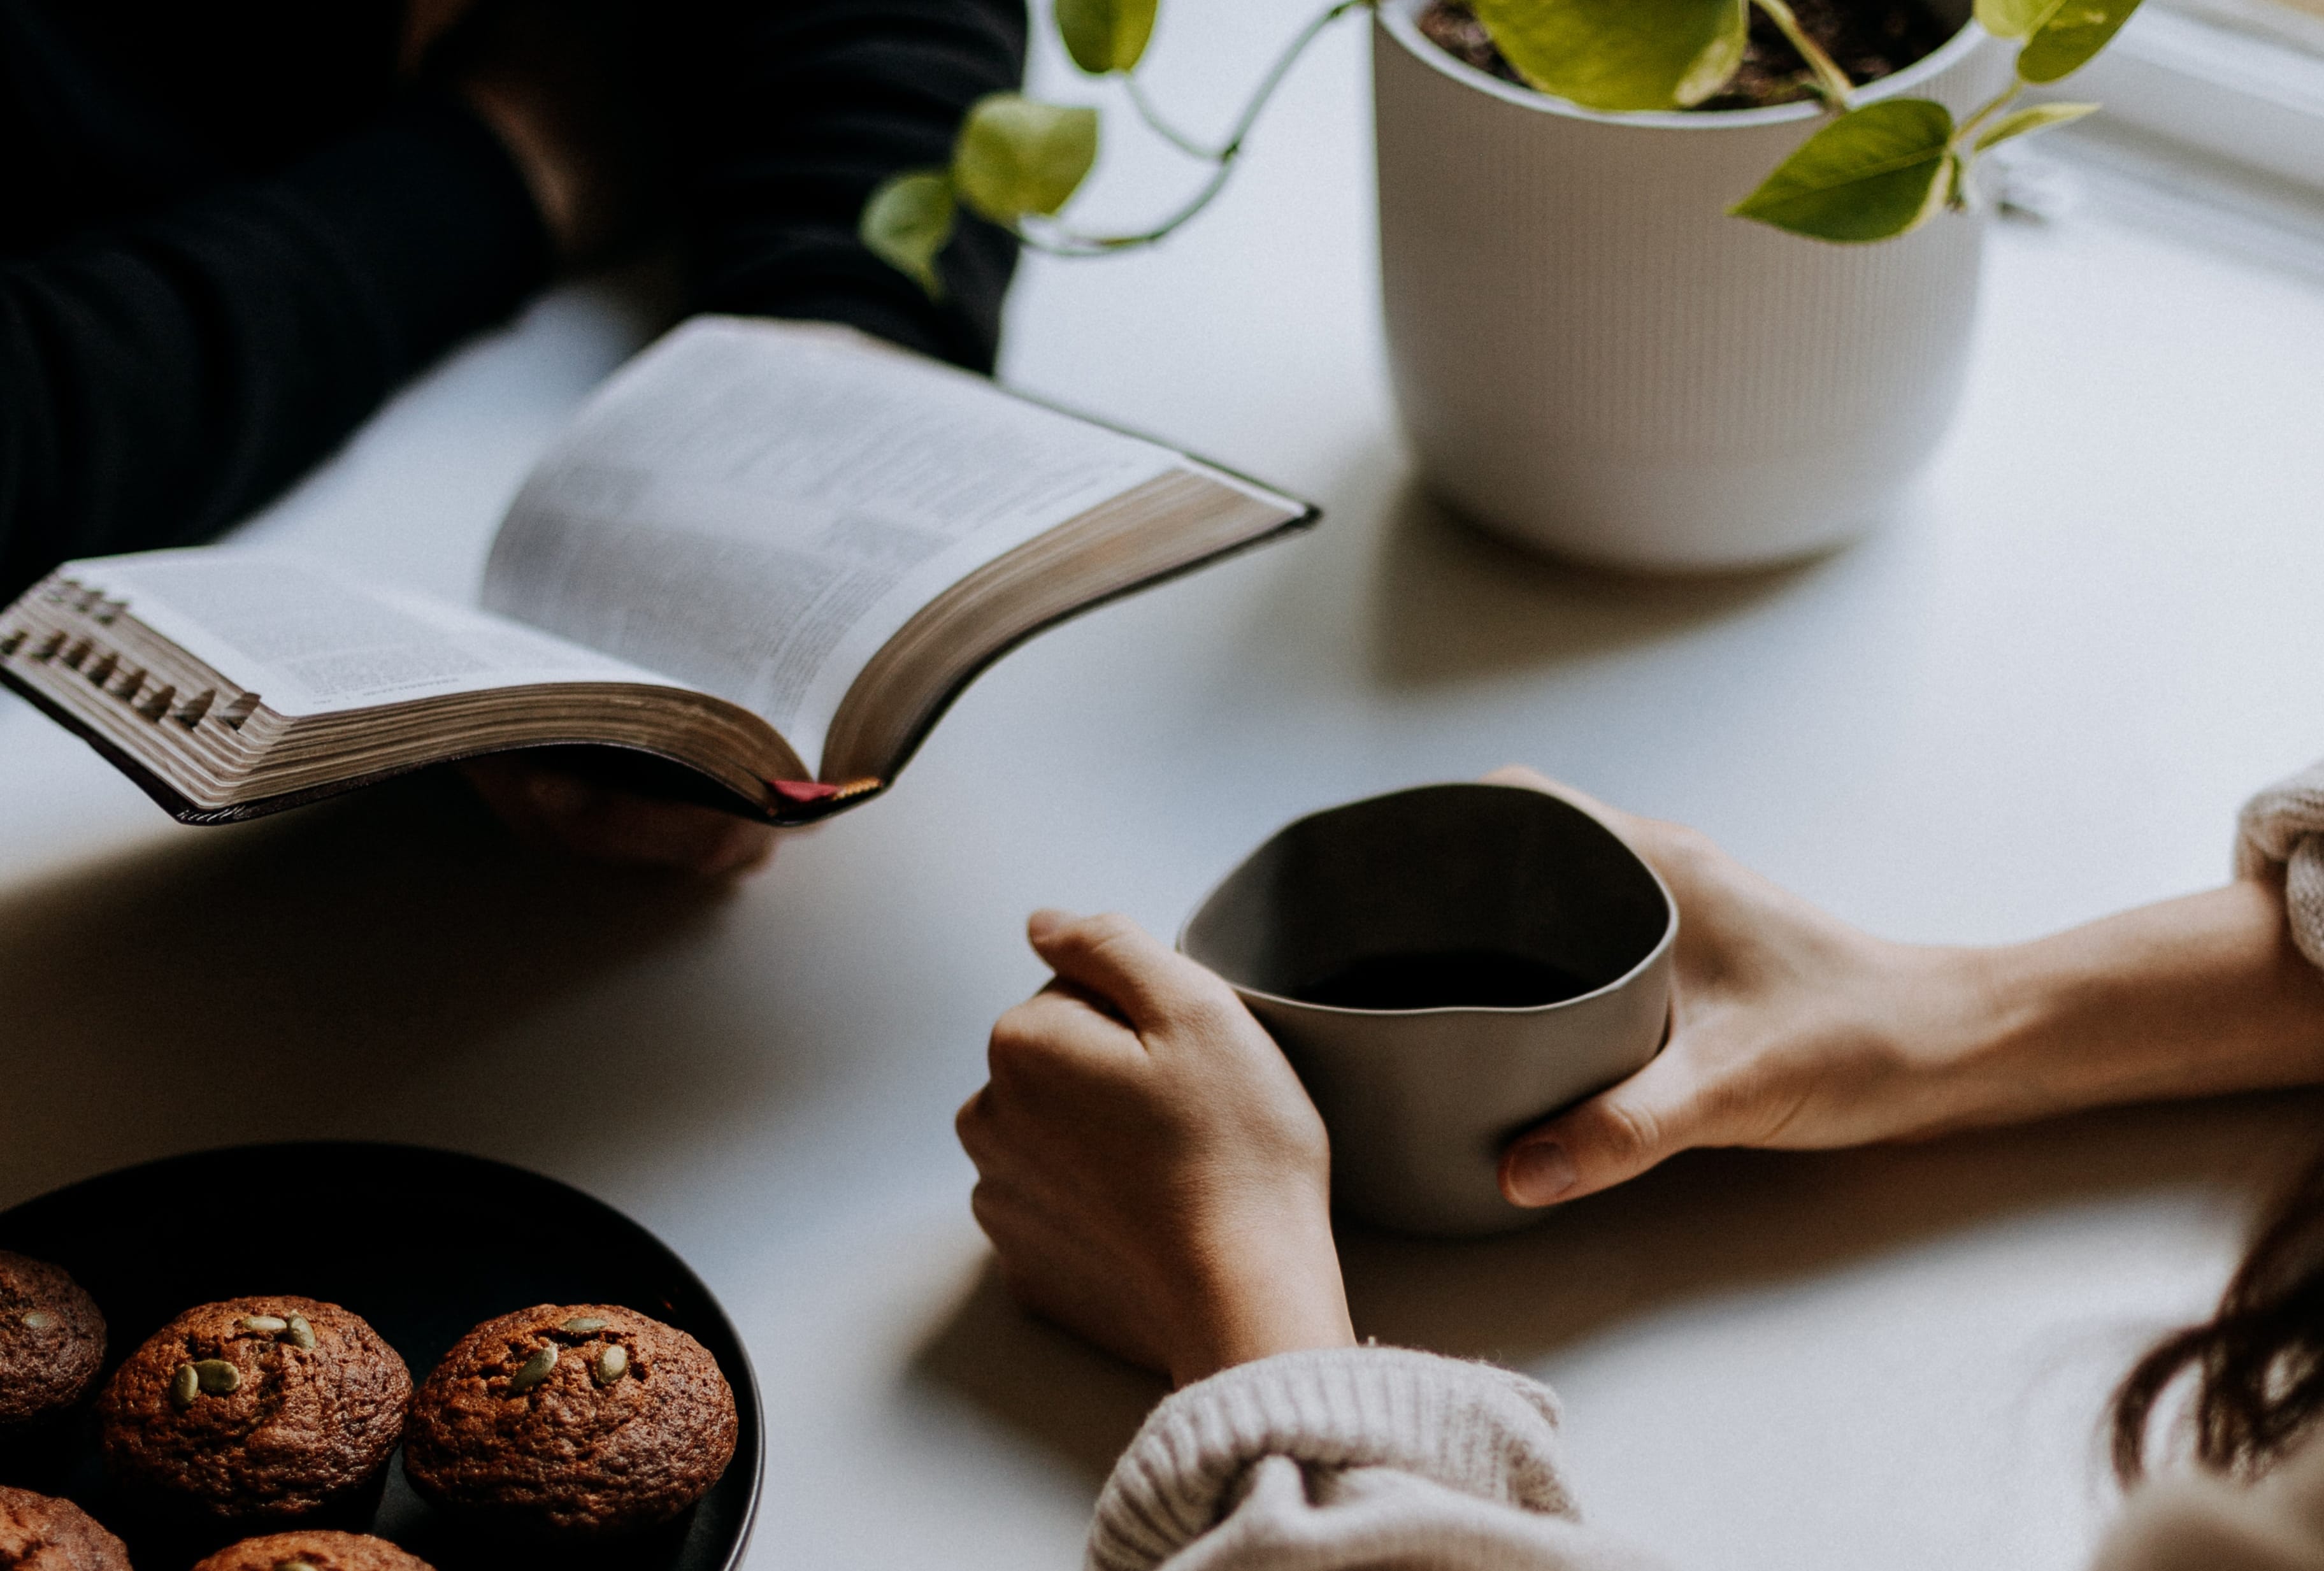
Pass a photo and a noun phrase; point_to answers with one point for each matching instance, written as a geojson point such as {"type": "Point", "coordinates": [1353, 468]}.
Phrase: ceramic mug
{"type": "Point", "coordinates": [1444, 966]}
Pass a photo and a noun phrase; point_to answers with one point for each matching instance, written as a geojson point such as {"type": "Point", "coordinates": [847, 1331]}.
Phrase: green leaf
{"type": "Point", "coordinates": [1017, 156]}
{"type": "Point", "coordinates": [907, 221]}
{"type": "Point", "coordinates": [2060, 36]}
{"type": "Point", "coordinates": [1873, 174]}
{"type": "Point", "coordinates": [1621, 54]}
{"type": "Point", "coordinates": [2068, 38]}
{"type": "Point", "coordinates": [2025, 121]}
{"type": "Point", "coordinates": [1105, 36]}
{"type": "Point", "coordinates": [2015, 18]}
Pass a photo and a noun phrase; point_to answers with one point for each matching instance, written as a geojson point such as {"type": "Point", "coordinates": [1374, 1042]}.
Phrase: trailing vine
{"type": "Point", "coordinates": [1873, 172]}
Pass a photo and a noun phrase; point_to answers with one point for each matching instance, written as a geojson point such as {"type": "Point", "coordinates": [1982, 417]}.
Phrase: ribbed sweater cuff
{"type": "Point", "coordinates": [2284, 827]}
{"type": "Point", "coordinates": [1484, 1431]}
{"type": "Point", "coordinates": [429, 218]}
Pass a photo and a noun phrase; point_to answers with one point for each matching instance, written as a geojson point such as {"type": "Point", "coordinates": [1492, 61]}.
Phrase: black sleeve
{"type": "Point", "coordinates": [161, 379]}
{"type": "Point", "coordinates": [783, 114]}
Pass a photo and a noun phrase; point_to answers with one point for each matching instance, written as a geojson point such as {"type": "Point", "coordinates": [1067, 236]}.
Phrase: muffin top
{"type": "Point", "coordinates": [255, 1407]}
{"type": "Point", "coordinates": [38, 1533]}
{"type": "Point", "coordinates": [575, 1419]}
{"type": "Point", "coordinates": [52, 1341]}
{"type": "Point", "coordinates": [314, 1552]}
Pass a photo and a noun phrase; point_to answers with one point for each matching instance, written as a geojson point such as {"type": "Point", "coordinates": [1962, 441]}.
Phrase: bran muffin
{"type": "Point", "coordinates": [254, 1410]}
{"type": "Point", "coordinates": [40, 1534]}
{"type": "Point", "coordinates": [578, 1420]}
{"type": "Point", "coordinates": [51, 1342]}
{"type": "Point", "coordinates": [314, 1551]}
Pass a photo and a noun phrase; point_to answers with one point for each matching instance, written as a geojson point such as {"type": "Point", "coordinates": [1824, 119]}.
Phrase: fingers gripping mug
{"type": "Point", "coordinates": [1444, 966]}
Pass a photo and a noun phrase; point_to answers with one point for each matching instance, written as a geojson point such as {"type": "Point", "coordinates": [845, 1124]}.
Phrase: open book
{"type": "Point", "coordinates": [770, 553]}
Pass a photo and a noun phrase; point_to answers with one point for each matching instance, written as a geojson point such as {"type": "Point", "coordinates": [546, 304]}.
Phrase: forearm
{"type": "Point", "coordinates": [160, 380]}
{"type": "Point", "coordinates": [1792, 1031]}
{"type": "Point", "coordinates": [2191, 997]}
{"type": "Point", "coordinates": [1240, 1316]}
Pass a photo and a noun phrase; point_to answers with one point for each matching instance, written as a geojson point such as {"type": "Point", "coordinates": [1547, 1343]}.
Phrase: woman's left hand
{"type": "Point", "coordinates": [1149, 1169]}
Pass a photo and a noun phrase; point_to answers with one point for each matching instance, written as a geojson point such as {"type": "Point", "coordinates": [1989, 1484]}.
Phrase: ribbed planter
{"type": "Point", "coordinates": [1593, 359]}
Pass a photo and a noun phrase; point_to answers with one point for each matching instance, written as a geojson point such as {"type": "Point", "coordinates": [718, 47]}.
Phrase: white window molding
{"type": "Point", "coordinates": [2160, 186]}
{"type": "Point", "coordinates": [2211, 128]}
{"type": "Point", "coordinates": [2239, 82]}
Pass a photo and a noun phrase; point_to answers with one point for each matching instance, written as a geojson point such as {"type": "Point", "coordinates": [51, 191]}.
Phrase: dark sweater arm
{"type": "Point", "coordinates": [785, 114]}
{"type": "Point", "coordinates": [160, 380]}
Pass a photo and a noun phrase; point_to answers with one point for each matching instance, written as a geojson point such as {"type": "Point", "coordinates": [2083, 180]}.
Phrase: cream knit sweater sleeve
{"type": "Point", "coordinates": [1377, 1459]}
{"type": "Point", "coordinates": [1365, 1457]}
{"type": "Point", "coordinates": [2284, 827]}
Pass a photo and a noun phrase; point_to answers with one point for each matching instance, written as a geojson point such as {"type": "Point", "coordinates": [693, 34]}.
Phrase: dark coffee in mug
{"type": "Point", "coordinates": [1451, 978]}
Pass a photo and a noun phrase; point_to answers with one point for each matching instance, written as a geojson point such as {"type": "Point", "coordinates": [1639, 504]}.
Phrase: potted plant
{"type": "Point", "coordinates": [1627, 321]}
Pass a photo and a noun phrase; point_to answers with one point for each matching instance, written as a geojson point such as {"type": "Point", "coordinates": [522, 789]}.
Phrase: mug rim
{"type": "Point", "coordinates": [1661, 946]}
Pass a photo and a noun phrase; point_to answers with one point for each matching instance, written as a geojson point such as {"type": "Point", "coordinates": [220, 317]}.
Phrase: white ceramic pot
{"type": "Point", "coordinates": [1591, 358]}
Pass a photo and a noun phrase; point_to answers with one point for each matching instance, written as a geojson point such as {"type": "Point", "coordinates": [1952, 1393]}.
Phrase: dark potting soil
{"type": "Point", "coordinates": [1868, 38]}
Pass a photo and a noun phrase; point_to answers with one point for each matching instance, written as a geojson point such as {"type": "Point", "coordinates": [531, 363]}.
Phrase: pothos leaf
{"type": "Point", "coordinates": [2074, 31]}
{"type": "Point", "coordinates": [1621, 54]}
{"type": "Point", "coordinates": [1016, 155]}
{"type": "Point", "coordinates": [2025, 121]}
{"type": "Point", "coordinates": [1105, 36]}
{"type": "Point", "coordinates": [1872, 174]}
{"type": "Point", "coordinates": [908, 221]}
{"type": "Point", "coordinates": [2015, 18]}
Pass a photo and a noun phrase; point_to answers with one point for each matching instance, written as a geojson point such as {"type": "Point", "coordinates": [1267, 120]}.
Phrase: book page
{"type": "Point", "coordinates": [308, 642]}
{"type": "Point", "coordinates": [757, 507]}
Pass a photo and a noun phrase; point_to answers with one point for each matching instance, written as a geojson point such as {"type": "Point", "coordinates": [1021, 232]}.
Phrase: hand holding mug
{"type": "Point", "coordinates": [1149, 1169]}
{"type": "Point", "coordinates": [1790, 1030]}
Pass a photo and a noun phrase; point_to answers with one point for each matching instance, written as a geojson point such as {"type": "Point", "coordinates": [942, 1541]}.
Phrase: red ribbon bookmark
{"type": "Point", "coordinates": [807, 792]}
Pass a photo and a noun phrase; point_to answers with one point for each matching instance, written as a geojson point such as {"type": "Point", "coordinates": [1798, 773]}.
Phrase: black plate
{"type": "Point", "coordinates": [422, 1243]}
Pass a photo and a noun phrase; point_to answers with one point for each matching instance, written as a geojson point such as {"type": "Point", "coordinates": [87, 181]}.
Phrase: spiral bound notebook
{"type": "Point", "coordinates": [767, 555]}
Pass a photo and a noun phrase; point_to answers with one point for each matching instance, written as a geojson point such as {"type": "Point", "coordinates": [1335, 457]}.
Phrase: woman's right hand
{"type": "Point", "coordinates": [1790, 1030]}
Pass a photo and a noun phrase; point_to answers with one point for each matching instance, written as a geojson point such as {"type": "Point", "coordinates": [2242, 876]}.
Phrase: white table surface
{"type": "Point", "coordinates": [2038, 694]}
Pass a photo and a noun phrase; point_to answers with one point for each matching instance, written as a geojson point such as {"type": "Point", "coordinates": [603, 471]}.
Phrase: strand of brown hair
{"type": "Point", "coordinates": [2258, 1362]}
